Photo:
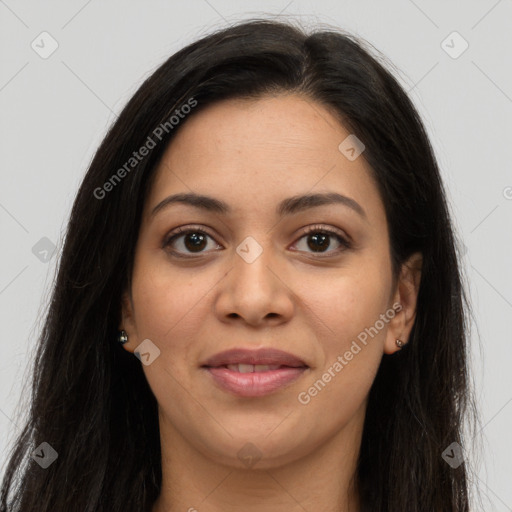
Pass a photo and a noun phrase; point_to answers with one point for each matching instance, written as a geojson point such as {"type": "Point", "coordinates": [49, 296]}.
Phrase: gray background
{"type": "Point", "coordinates": [55, 111]}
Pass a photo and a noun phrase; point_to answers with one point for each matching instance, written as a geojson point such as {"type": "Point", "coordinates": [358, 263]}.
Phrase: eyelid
{"type": "Point", "coordinates": [328, 229]}
{"type": "Point", "coordinates": [184, 230]}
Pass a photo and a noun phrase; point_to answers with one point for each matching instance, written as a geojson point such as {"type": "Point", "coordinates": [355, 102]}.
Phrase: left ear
{"type": "Point", "coordinates": [406, 296]}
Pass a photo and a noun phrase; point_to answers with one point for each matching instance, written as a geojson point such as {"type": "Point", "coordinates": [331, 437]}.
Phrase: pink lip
{"type": "Point", "coordinates": [258, 356]}
{"type": "Point", "coordinates": [256, 383]}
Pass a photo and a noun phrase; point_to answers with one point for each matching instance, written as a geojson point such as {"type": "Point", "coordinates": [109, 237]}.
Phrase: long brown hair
{"type": "Point", "coordinates": [90, 400]}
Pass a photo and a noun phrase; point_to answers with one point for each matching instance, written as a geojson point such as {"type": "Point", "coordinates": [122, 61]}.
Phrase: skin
{"type": "Point", "coordinates": [253, 154]}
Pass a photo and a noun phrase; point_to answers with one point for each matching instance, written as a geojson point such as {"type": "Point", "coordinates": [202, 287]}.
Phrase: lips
{"type": "Point", "coordinates": [254, 373]}
{"type": "Point", "coordinates": [248, 361]}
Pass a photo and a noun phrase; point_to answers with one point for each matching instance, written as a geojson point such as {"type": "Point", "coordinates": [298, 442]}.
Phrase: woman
{"type": "Point", "coordinates": [259, 301]}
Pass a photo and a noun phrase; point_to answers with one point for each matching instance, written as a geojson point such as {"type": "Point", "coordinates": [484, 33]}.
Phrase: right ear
{"type": "Point", "coordinates": [127, 322]}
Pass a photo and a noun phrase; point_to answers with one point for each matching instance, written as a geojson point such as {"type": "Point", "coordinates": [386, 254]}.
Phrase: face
{"type": "Point", "coordinates": [310, 279]}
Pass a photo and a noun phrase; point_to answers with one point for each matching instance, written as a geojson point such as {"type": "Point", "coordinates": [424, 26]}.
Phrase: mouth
{"type": "Point", "coordinates": [252, 368]}
{"type": "Point", "coordinates": [256, 357]}
{"type": "Point", "coordinates": [254, 373]}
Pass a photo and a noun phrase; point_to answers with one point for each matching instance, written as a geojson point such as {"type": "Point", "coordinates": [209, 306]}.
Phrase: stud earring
{"type": "Point", "coordinates": [122, 337]}
{"type": "Point", "coordinates": [399, 343]}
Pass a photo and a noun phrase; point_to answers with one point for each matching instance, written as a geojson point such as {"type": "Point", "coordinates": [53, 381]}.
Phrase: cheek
{"type": "Point", "coordinates": [168, 304]}
{"type": "Point", "coordinates": [348, 302]}
{"type": "Point", "coordinates": [347, 309]}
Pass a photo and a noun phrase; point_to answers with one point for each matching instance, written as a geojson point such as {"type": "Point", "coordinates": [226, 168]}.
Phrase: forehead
{"type": "Point", "coordinates": [285, 127]}
{"type": "Point", "coordinates": [268, 148]}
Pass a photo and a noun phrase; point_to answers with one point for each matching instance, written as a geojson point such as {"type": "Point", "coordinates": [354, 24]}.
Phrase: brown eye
{"type": "Point", "coordinates": [319, 240]}
{"type": "Point", "coordinates": [190, 240]}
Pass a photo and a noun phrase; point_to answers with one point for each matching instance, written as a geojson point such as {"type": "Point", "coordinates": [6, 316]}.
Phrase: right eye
{"type": "Point", "coordinates": [191, 240]}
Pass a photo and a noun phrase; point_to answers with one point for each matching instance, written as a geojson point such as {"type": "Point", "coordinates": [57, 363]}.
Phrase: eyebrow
{"type": "Point", "coordinates": [287, 206]}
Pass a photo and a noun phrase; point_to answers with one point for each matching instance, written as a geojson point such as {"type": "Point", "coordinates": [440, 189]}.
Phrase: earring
{"type": "Point", "coordinates": [399, 343]}
{"type": "Point", "coordinates": [122, 337]}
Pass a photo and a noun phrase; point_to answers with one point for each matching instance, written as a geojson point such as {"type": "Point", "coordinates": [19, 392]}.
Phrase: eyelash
{"type": "Point", "coordinates": [179, 232]}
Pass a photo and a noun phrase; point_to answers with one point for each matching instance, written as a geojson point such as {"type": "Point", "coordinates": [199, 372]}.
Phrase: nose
{"type": "Point", "coordinates": [255, 291]}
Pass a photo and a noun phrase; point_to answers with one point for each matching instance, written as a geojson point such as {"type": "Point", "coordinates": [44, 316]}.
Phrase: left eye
{"type": "Point", "coordinates": [195, 240]}
{"type": "Point", "coordinates": [318, 239]}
